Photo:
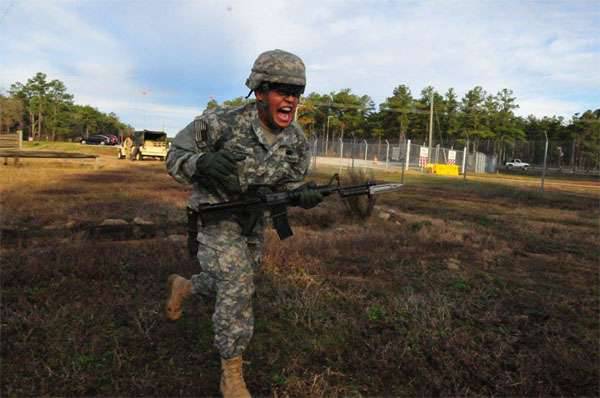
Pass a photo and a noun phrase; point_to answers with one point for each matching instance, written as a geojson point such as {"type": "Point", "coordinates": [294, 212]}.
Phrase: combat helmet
{"type": "Point", "coordinates": [277, 66]}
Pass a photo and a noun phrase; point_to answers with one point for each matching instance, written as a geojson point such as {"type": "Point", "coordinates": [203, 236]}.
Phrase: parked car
{"type": "Point", "coordinates": [114, 140]}
{"type": "Point", "coordinates": [97, 139]}
{"type": "Point", "coordinates": [517, 164]}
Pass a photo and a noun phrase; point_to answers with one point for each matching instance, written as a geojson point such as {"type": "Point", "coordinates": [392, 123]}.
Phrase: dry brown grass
{"type": "Point", "coordinates": [466, 289]}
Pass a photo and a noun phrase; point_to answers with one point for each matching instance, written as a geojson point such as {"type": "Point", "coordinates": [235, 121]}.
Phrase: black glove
{"type": "Point", "coordinates": [220, 167]}
{"type": "Point", "coordinates": [309, 198]}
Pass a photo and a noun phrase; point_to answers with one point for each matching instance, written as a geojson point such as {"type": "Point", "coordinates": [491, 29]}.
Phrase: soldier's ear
{"type": "Point", "coordinates": [260, 96]}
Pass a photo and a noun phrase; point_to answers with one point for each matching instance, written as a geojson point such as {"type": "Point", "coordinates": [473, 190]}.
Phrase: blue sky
{"type": "Point", "coordinates": [157, 63]}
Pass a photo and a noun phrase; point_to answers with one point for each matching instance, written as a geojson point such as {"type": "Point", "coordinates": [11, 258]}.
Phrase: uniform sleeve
{"type": "Point", "coordinates": [187, 147]}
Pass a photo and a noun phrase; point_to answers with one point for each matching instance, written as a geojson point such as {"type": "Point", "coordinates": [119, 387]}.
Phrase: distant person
{"type": "Point", "coordinates": [222, 153]}
{"type": "Point", "coordinates": [127, 145]}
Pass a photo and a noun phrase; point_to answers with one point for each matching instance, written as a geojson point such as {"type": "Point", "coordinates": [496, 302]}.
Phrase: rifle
{"type": "Point", "coordinates": [250, 207]}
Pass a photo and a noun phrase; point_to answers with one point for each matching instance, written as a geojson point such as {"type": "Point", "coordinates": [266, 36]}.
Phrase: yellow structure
{"type": "Point", "coordinates": [442, 169]}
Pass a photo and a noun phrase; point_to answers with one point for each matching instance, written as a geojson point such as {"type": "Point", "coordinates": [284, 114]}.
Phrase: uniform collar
{"type": "Point", "coordinates": [285, 138]}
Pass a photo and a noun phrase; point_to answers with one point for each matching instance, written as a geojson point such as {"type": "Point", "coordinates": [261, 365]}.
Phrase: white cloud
{"type": "Point", "coordinates": [94, 65]}
{"type": "Point", "coordinates": [541, 106]}
{"type": "Point", "coordinates": [547, 53]}
{"type": "Point", "coordinates": [148, 114]}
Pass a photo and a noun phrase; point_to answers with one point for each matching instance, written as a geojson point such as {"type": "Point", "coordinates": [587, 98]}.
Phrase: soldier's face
{"type": "Point", "coordinates": [279, 107]}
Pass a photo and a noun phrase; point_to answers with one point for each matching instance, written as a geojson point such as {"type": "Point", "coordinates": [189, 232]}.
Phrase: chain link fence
{"type": "Point", "coordinates": [565, 156]}
{"type": "Point", "coordinates": [489, 157]}
{"type": "Point", "coordinates": [399, 154]}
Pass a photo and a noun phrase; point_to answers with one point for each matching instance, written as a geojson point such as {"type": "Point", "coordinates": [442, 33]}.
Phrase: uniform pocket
{"type": "Point", "coordinates": [291, 156]}
{"type": "Point", "coordinates": [224, 251]}
{"type": "Point", "coordinates": [219, 236]}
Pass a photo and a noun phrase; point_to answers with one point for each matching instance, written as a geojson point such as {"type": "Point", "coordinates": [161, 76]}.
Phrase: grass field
{"type": "Point", "coordinates": [484, 287]}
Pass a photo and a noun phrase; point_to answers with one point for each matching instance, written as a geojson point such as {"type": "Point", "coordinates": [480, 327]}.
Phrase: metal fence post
{"type": "Point", "coordinates": [464, 159]}
{"type": "Point", "coordinates": [407, 163]}
{"type": "Point", "coordinates": [545, 156]}
{"type": "Point", "coordinates": [366, 148]}
{"type": "Point", "coordinates": [341, 148]}
{"type": "Point", "coordinates": [387, 154]}
{"type": "Point", "coordinates": [315, 153]}
{"type": "Point", "coordinates": [352, 151]}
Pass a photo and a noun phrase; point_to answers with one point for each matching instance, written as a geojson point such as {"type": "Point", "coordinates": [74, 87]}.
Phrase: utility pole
{"type": "Point", "coordinates": [430, 122]}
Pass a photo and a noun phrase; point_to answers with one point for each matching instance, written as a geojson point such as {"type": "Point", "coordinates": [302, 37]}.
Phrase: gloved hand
{"type": "Point", "coordinates": [221, 168]}
{"type": "Point", "coordinates": [309, 198]}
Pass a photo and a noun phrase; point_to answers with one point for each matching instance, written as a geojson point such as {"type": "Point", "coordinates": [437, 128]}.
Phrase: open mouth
{"type": "Point", "coordinates": [284, 115]}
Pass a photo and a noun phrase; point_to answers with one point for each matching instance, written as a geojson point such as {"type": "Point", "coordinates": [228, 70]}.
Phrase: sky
{"type": "Point", "coordinates": [157, 63]}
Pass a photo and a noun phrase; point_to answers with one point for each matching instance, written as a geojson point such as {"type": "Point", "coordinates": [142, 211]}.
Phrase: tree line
{"type": "Point", "coordinates": [485, 120]}
{"type": "Point", "coordinates": [44, 109]}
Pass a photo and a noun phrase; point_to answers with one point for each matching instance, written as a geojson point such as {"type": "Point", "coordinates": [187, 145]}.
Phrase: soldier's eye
{"type": "Point", "coordinates": [288, 90]}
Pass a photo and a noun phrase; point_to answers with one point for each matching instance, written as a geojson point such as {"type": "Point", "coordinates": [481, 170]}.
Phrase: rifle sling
{"type": "Point", "coordinates": [192, 230]}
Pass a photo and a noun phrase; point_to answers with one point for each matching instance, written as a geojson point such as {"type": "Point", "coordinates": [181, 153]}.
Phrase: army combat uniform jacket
{"type": "Point", "coordinates": [226, 257]}
{"type": "Point", "coordinates": [283, 164]}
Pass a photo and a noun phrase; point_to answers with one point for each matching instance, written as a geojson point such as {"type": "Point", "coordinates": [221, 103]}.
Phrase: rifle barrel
{"type": "Point", "coordinates": [384, 188]}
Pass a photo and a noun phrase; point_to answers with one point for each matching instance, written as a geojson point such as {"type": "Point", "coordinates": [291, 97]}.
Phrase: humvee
{"type": "Point", "coordinates": [147, 144]}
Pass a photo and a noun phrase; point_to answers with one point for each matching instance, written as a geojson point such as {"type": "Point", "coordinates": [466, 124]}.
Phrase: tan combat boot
{"type": "Point", "coordinates": [179, 289]}
{"type": "Point", "coordinates": [232, 379]}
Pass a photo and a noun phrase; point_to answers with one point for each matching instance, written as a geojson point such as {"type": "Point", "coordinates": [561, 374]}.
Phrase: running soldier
{"type": "Point", "coordinates": [223, 153]}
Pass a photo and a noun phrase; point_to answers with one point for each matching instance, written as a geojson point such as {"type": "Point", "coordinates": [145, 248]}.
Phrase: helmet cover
{"type": "Point", "coordinates": [277, 66]}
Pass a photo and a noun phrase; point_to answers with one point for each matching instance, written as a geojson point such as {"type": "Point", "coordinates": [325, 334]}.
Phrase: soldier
{"type": "Point", "coordinates": [127, 145]}
{"type": "Point", "coordinates": [223, 153]}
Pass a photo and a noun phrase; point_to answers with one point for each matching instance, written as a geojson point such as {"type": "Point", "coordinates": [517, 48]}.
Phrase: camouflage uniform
{"type": "Point", "coordinates": [227, 258]}
{"type": "Point", "coordinates": [128, 144]}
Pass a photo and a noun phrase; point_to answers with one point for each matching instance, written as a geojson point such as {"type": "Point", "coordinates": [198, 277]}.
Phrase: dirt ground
{"type": "Point", "coordinates": [483, 287]}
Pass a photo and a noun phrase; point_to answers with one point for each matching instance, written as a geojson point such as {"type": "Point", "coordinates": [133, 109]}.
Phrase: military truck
{"type": "Point", "coordinates": [147, 144]}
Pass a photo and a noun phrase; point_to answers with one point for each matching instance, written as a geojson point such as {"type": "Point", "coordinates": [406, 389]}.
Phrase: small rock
{"type": "Point", "coordinates": [384, 215]}
{"type": "Point", "coordinates": [113, 221]}
{"type": "Point", "coordinates": [453, 264]}
{"type": "Point", "coordinates": [141, 221]}
{"type": "Point", "coordinates": [81, 235]}
{"type": "Point", "coordinates": [177, 238]}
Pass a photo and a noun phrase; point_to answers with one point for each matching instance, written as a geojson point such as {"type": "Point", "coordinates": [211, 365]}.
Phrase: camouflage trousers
{"type": "Point", "coordinates": [228, 261]}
